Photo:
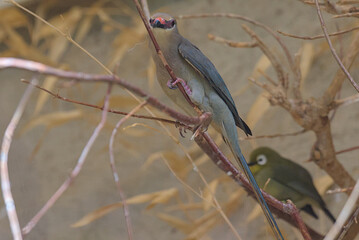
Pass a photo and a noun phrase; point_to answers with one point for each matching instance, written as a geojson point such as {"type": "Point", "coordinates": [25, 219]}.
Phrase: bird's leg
{"type": "Point", "coordinates": [172, 85]}
{"type": "Point", "coordinates": [206, 119]}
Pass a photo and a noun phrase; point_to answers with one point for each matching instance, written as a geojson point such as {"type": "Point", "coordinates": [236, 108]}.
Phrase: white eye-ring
{"type": "Point", "coordinates": [261, 159]}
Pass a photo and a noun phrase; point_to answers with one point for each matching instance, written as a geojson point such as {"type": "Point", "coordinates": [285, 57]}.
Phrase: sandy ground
{"type": "Point", "coordinates": [33, 182]}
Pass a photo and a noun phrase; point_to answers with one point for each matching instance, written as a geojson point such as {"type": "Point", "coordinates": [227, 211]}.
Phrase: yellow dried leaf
{"type": "Point", "coordinates": [177, 223]}
{"type": "Point", "coordinates": [16, 43]}
{"type": "Point", "coordinates": [83, 28]}
{"type": "Point", "coordinates": [66, 22]}
{"type": "Point", "coordinates": [48, 84]}
{"type": "Point", "coordinates": [154, 197]}
{"type": "Point", "coordinates": [209, 194]}
{"type": "Point", "coordinates": [96, 215]}
{"type": "Point", "coordinates": [127, 38]}
{"type": "Point", "coordinates": [258, 109]}
{"type": "Point", "coordinates": [323, 183]}
{"type": "Point", "coordinates": [199, 231]}
{"type": "Point", "coordinates": [307, 56]}
{"type": "Point", "coordinates": [13, 17]}
{"type": "Point", "coordinates": [57, 48]}
{"type": "Point", "coordinates": [53, 119]}
{"type": "Point", "coordinates": [261, 66]}
{"type": "Point", "coordinates": [163, 197]}
{"type": "Point", "coordinates": [132, 131]}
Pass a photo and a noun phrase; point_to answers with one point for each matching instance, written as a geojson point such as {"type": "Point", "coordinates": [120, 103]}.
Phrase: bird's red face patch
{"type": "Point", "coordinates": [160, 22]}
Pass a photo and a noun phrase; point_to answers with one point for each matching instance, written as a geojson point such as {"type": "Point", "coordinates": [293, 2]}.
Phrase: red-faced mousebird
{"type": "Point", "coordinates": [206, 89]}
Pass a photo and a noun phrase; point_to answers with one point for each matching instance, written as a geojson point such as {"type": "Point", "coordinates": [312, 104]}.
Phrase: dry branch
{"type": "Point", "coordinates": [5, 179]}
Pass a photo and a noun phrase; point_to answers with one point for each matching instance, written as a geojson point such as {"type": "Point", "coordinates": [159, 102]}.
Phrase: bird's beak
{"type": "Point", "coordinates": [252, 164]}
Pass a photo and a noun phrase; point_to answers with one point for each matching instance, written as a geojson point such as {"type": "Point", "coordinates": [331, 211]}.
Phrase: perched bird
{"type": "Point", "coordinates": [206, 89]}
{"type": "Point", "coordinates": [285, 179]}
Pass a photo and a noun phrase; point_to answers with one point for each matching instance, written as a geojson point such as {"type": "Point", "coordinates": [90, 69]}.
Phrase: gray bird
{"type": "Point", "coordinates": [206, 89]}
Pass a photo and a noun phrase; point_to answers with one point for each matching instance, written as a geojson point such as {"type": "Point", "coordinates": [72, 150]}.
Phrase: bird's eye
{"type": "Point", "coordinates": [151, 20]}
{"type": "Point", "coordinates": [261, 159]}
{"type": "Point", "coordinates": [172, 22]}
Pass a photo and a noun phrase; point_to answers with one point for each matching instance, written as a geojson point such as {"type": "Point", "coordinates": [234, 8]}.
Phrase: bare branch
{"type": "Point", "coordinates": [232, 43]}
{"type": "Point", "coordinates": [344, 214]}
{"type": "Point", "coordinates": [318, 36]}
{"type": "Point", "coordinates": [5, 180]}
{"type": "Point", "coordinates": [346, 101]}
{"type": "Point", "coordinates": [115, 173]}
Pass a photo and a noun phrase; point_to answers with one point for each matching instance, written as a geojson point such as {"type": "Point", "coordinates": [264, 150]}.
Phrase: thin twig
{"type": "Point", "coordinates": [352, 220]}
{"type": "Point", "coordinates": [56, 95]}
{"type": "Point", "coordinates": [341, 65]}
{"type": "Point", "coordinates": [346, 101]}
{"type": "Point", "coordinates": [76, 170]}
{"type": "Point", "coordinates": [275, 135]}
{"type": "Point", "coordinates": [347, 150]}
{"type": "Point", "coordinates": [353, 14]}
{"type": "Point", "coordinates": [5, 180]}
{"type": "Point", "coordinates": [318, 36]}
{"type": "Point", "coordinates": [344, 214]}
{"type": "Point", "coordinates": [232, 43]}
{"type": "Point", "coordinates": [115, 173]}
{"type": "Point", "coordinates": [274, 61]}
{"type": "Point", "coordinates": [339, 190]}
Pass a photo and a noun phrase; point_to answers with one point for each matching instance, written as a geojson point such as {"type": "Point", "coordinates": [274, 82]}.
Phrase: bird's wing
{"type": "Point", "coordinates": [300, 182]}
{"type": "Point", "coordinates": [206, 68]}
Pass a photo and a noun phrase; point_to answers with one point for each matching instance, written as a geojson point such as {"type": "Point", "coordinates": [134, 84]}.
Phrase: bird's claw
{"type": "Point", "coordinates": [172, 85]}
{"type": "Point", "coordinates": [181, 128]}
{"type": "Point", "coordinates": [206, 119]}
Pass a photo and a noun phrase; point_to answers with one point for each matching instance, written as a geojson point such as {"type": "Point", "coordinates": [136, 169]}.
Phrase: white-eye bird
{"type": "Point", "coordinates": [285, 179]}
{"type": "Point", "coordinates": [206, 89]}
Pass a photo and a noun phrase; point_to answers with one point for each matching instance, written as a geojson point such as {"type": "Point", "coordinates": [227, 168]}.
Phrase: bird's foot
{"type": "Point", "coordinates": [206, 119]}
{"type": "Point", "coordinates": [181, 128]}
{"type": "Point", "coordinates": [172, 85]}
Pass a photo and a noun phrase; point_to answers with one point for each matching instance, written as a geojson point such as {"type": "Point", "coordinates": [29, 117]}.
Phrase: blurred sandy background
{"type": "Point", "coordinates": [35, 176]}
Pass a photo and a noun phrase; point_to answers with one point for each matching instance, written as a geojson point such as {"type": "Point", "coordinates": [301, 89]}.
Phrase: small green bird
{"type": "Point", "coordinates": [285, 179]}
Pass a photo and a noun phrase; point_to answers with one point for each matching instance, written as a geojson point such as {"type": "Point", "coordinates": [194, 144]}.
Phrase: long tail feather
{"type": "Point", "coordinates": [230, 136]}
{"type": "Point", "coordinates": [329, 214]}
{"type": "Point", "coordinates": [243, 164]}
